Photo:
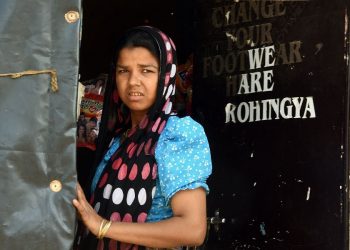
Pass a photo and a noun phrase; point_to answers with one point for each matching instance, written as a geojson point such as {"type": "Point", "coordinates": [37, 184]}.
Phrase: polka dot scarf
{"type": "Point", "coordinates": [127, 184]}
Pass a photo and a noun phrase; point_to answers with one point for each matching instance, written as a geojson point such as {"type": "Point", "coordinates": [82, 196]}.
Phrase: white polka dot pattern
{"type": "Point", "coordinates": [107, 191]}
{"type": "Point", "coordinates": [168, 46]}
{"type": "Point", "coordinates": [169, 91]}
{"type": "Point", "coordinates": [184, 162]}
{"type": "Point", "coordinates": [183, 156]}
{"type": "Point", "coordinates": [117, 196]}
{"type": "Point", "coordinates": [173, 70]}
{"type": "Point", "coordinates": [130, 197]}
{"type": "Point", "coordinates": [168, 108]}
{"type": "Point", "coordinates": [153, 191]}
{"type": "Point", "coordinates": [142, 197]}
{"type": "Point", "coordinates": [97, 207]}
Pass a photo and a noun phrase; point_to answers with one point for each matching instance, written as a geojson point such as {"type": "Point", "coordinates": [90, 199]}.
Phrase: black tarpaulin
{"type": "Point", "coordinates": [39, 41]}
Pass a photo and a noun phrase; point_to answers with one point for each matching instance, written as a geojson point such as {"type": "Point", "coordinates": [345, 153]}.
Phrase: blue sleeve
{"type": "Point", "coordinates": [183, 157]}
{"type": "Point", "coordinates": [114, 146]}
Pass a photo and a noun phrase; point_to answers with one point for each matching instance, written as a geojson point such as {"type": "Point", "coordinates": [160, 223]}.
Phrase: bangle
{"type": "Point", "coordinates": [104, 226]}
{"type": "Point", "coordinates": [99, 231]}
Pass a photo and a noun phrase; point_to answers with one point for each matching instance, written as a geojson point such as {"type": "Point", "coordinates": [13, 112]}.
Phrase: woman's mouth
{"type": "Point", "coordinates": [135, 94]}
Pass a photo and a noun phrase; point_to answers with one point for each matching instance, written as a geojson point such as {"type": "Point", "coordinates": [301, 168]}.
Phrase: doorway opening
{"type": "Point", "coordinates": [103, 23]}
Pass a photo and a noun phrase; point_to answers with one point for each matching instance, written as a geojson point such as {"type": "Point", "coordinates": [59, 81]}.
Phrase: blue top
{"type": "Point", "coordinates": [183, 159]}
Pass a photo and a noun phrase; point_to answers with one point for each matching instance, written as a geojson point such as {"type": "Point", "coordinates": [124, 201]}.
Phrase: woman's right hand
{"type": "Point", "coordinates": [86, 213]}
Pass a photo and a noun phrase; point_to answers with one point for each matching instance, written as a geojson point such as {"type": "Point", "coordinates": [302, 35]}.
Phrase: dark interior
{"type": "Point", "coordinates": [104, 21]}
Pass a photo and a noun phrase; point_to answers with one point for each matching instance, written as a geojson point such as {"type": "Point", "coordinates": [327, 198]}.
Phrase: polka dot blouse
{"type": "Point", "coordinates": [183, 159]}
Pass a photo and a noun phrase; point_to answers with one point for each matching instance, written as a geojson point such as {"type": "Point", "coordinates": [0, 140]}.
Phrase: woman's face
{"type": "Point", "coordinates": [137, 76]}
{"type": "Point", "coordinates": [81, 130]}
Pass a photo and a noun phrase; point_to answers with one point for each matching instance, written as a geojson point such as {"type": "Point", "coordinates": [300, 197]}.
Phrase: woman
{"type": "Point", "coordinates": [153, 165]}
{"type": "Point", "coordinates": [81, 136]}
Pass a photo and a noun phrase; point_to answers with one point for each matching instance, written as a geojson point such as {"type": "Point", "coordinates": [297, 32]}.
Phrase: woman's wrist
{"type": "Point", "coordinates": [103, 228]}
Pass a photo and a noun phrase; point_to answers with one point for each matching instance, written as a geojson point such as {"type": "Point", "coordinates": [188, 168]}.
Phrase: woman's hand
{"type": "Point", "coordinates": [87, 214]}
{"type": "Point", "coordinates": [186, 227]}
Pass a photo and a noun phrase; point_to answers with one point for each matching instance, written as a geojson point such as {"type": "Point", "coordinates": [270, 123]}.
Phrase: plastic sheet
{"type": "Point", "coordinates": [38, 133]}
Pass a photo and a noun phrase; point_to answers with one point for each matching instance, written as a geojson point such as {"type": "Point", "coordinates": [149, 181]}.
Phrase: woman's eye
{"type": "Point", "coordinates": [120, 71]}
{"type": "Point", "coordinates": [147, 71]}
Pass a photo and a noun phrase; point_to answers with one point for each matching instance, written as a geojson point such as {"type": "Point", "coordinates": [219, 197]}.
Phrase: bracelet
{"type": "Point", "coordinates": [99, 231]}
{"type": "Point", "coordinates": [104, 226]}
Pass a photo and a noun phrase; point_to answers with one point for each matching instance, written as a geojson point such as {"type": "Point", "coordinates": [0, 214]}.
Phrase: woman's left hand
{"type": "Point", "coordinates": [87, 214]}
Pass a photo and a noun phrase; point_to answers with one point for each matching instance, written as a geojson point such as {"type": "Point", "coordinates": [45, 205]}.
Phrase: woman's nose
{"type": "Point", "coordinates": [134, 79]}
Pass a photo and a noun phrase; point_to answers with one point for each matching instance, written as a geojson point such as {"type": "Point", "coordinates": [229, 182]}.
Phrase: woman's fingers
{"type": "Point", "coordinates": [81, 203]}
{"type": "Point", "coordinates": [87, 214]}
{"type": "Point", "coordinates": [77, 205]}
{"type": "Point", "coordinates": [80, 193]}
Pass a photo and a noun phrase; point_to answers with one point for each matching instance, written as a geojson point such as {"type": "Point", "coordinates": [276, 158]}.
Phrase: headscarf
{"type": "Point", "coordinates": [127, 184]}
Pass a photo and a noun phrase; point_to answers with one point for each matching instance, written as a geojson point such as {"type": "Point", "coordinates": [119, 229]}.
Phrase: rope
{"type": "Point", "coordinates": [52, 72]}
